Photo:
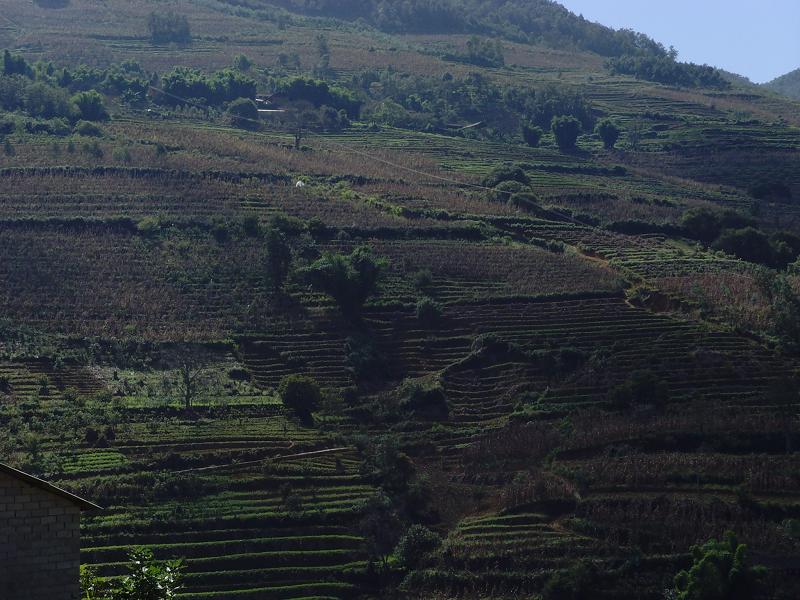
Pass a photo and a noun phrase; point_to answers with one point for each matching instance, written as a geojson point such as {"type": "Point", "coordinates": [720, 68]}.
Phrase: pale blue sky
{"type": "Point", "coordinates": [759, 39]}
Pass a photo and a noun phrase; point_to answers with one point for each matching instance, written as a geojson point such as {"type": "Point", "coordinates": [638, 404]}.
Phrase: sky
{"type": "Point", "coordinates": [759, 39]}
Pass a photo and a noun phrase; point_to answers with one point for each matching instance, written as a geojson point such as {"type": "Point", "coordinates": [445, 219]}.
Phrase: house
{"type": "Point", "coordinates": [39, 538]}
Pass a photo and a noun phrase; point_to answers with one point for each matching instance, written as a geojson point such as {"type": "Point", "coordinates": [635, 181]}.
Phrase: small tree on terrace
{"type": "Point", "coordinates": [279, 258]}
{"type": "Point", "coordinates": [90, 105]}
{"type": "Point", "coordinates": [243, 113]}
{"type": "Point", "coordinates": [532, 134]}
{"type": "Point", "coordinates": [720, 571]}
{"type": "Point", "coordinates": [609, 132]}
{"type": "Point", "coordinates": [192, 374]}
{"type": "Point", "coordinates": [301, 395]}
{"type": "Point", "coordinates": [348, 279]}
{"type": "Point", "coordinates": [566, 130]}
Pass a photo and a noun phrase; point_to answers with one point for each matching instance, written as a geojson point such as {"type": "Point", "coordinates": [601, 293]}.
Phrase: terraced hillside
{"type": "Point", "coordinates": [534, 369]}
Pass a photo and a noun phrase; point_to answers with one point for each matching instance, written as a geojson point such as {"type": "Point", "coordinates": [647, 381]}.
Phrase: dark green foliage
{"type": "Point", "coordinates": [364, 360]}
{"type": "Point", "coordinates": [574, 583]}
{"type": "Point", "coordinates": [429, 312]}
{"type": "Point", "coordinates": [423, 280]}
{"type": "Point", "coordinates": [46, 101]}
{"type": "Point", "coordinates": [773, 191]}
{"type": "Point", "coordinates": [667, 70]}
{"type": "Point", "coordinates": [424, 400]}
{"type": "Point", "coordinates": [701, 224]}
{"type": "Point", "coordinates": [749, 244]}
{"type": "Point", "coordinates": [348, 279]}
{"type": "Point", "coordinates": [168, 28]}
{"type": "Point", "coordinates": [643, 388]}
{"type": "Point", "coordinates": [532, 134]}
{"type": "Point", "coordinates": [242, 63]}
{"type": "Point", "coordinates": [14, 64]}
{"type": "Point", "coordinates": [566, 130]}
{"type": "Point", "coordinates": [87, 129]}
{"type": "Point", "coordinates": [243, 113]}
{"type": "Point", "coordinates": [301, 395]}
{"type": "Point", "coordinates": [505, 173]}
{"type": "Point", "coordinates": [319, 93]}
{"type": "Point", "coordinates": [227, 85]}
{"type": "Point", "coordinates": [388, 467]}
{"type": "Point", "coordinates": [91, 106]}
{"type": "Point", "coordinates": [524, 200]}
{"type": "Point", "coordinates": [549, 102]}
{"type": "Point", "coordinates": [721, 570]}
{"type": "Point", "coordinates": [609, 132]}
{"type": "Point", "coordinates": [415, 546]}
{"type": "Point", "coordinates": [381, 527]}
{"type": "Point", "coordinates": [279, 257]}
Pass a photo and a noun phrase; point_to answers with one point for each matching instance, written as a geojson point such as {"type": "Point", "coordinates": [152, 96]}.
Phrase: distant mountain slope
{"type": "Point", "coordinates": [788, 85]}
{"type": "Point", "coordinates": [520, 20]}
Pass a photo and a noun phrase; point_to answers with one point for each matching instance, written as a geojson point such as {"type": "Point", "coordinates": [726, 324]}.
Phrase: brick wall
{"type": "Point", "coordinates": [39, 543]}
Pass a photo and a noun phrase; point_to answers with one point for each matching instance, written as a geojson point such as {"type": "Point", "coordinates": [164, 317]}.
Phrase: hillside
{"type": "Point", "coordinates": [569, 360]}
{"type": "Point", "coordinates": [788, 85]}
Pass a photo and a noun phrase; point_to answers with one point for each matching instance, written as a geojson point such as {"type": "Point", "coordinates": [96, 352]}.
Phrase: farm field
{"type": "Point", "coordinates": [526, 370]}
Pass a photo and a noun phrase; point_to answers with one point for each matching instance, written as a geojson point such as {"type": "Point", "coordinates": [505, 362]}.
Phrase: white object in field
{"type": "Point", "coordinates": [300, 184]}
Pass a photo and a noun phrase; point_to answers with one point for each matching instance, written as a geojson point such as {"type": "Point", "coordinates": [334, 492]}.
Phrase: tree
{"type": "Point", "coordinates": [643, 387]}
{"type": "Point", "coordinates": [192, 374]}
{"type": "Point", "coordinates": [415, 546]}
{"type": "Point", "coordinates": [243, 113]}
{"type": "Point", "coordinates": [636, 132]}
{"type": "Point", "coordinates": [719, 571]}
{"type": "Point", "coordinates": [348, 279]}
{"type": "Point", "coordinates": [279, 258]}
{"type": "Point", "coordinates": [749, 244]}
{"type": "Point", "coordinates": [701, 224]}
{"type": "Point", "coordinates": [300, 394]}
{"type": "Point", "coordinates": [574, 583]}
{"type": "Point", "coordinates": [609, 132]}
{"type": "Point", "coordinates": [90, 105]}
{"type": "Point", "coordinates": [532, 134]}
{"type": "Point", "coordinates": [168, 27]}
{"type": "Point", "coordinates": [381, 527]}
{"type": "Point", "coordinates": [14, 64]}
{"type": "Point", "coordinates": [43, 100]}
{"type": "Point", "coordinates": [566, 130]}
{"type": "Point", "coordinates": [148, 579]}
{"type": "Point", "coordinates": [242, 63]}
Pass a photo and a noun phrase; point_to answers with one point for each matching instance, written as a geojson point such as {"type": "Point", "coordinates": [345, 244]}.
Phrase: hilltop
{"type": "Point", "coordinates": [487, 302]}
{"type": "Point", "coordinates": [788, 85]}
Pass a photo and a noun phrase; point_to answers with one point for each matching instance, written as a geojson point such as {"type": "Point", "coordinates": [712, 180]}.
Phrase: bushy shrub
{"type": "Point", "coordinates": [566, 130]}
{"type": "Point", "coordinates": [423, 280]}
{"type": "Point", "coordinates": [91, 106]}
{"type": "Point", "coordinates": [532, 134]}
{"type": "Point", "coordinates": [348, 279]}
{"type": "Point", "coordinates": [416, 546]}
{"type": "Point", "coordinates": [87, 129]}
{"type": "Point", "coordinates": [429, 312]}
{"type": "Point", "coordinates": [301, 395]}
{"type": "Point", "coordinates": [609, 132]}
{"type": "Point", "coordinates": [243, 113]}
{"type": "Point", "coordinates": [643, 388]}
{"type": "Point", "coordinates": [503, 173]}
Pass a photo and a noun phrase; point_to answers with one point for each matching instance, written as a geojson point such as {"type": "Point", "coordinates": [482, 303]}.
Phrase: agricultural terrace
{"type": "Point", "coordinates": [567, 362]}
